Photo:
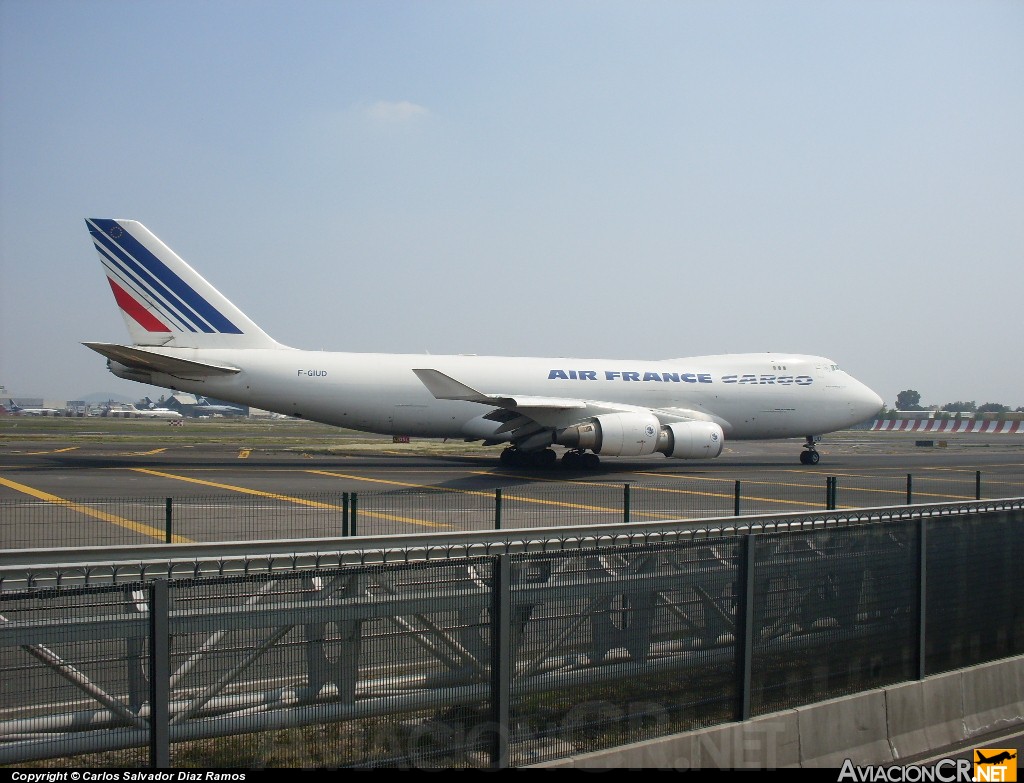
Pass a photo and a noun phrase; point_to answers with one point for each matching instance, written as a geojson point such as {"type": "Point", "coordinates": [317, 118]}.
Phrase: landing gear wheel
{"type": "Point", "coordinates": [572, 460]}
{"type": "Point", "coordinates": [544, 458]}
{"type": "Point", "coordinates": [590, 461]}
{"type": "Point", "coordinates": [810, 455]}
{"type": "Point", "coordinates": [511, 457]}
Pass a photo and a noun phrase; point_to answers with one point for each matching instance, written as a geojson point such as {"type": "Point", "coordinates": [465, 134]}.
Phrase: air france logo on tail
{"type": "Point", "coordinates": [149, 291]}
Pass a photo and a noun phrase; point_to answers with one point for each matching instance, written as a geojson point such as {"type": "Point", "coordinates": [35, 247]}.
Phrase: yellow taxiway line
{"type": "Point", "coordinates": [286, 498]}
{"type": "Point", "coordinates": [103, 516]}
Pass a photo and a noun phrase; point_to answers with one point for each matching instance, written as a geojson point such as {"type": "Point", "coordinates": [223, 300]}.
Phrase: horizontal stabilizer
{"type": "Point", "coordinates": [142, 359]}
{"type": "Point", "coordinates": [444, 387]}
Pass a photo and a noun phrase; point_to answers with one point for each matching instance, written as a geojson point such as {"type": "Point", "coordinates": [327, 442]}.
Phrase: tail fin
{"type": "Point", "coordinates": [164, 301]}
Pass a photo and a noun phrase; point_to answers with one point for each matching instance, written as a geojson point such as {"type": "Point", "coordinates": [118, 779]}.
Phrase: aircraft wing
{"type": "Point", "coordinates": [444, 387]}
{"type": "Point", "coordinates": [525, 413]}
{"type": "Point", "coordinates": [143, 359]}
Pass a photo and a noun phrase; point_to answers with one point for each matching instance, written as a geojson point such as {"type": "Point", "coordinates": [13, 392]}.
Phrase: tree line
{"type": "Point", "coordinates": [910, 400]}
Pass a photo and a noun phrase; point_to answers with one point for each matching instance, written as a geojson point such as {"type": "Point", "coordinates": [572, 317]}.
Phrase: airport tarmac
{"type": "Point", "coordinates": [87, 458]}
{"type": "Point", "coordinates": [66, 460]}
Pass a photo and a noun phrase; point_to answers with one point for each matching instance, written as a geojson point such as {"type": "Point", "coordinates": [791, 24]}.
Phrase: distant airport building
{"type": "Point", "coordinates": [931, 413]}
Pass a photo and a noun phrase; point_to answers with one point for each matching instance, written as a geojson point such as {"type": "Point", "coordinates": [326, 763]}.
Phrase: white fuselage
{"type": "Point", "coordinates": [751, 396]}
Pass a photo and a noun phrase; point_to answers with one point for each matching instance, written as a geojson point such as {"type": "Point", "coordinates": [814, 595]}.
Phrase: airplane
{"type": "Point", "coordinates": [13, 407]}
{"type": "Point", "coordinates": [996, 759]}
{"type": "Point", "coordinates": [161, 411]}
{"type": "Point", "coordinates": [129, 411]}
{"type": "Point", "coordinates": [206, 408]}
{"type": "Point", "coordinates": [187, 336]}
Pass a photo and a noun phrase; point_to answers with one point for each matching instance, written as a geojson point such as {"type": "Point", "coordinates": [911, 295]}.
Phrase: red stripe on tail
{"type": "Point", "coordinates": [140, 314]}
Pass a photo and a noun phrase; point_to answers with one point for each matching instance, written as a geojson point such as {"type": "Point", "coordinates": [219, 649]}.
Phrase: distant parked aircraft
{"type": "Point", "coordinates": [206, 408]}
{"type": "Point", "coordinates": [128, 411]}
{"type": "Point", "coordinates": [13, 407]}
{"type": "Point", "coordinates": [161, 411]}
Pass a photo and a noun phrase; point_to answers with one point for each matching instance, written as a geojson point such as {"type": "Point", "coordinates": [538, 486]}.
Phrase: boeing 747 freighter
{"type": "Point", "coordinates": [186, 336]}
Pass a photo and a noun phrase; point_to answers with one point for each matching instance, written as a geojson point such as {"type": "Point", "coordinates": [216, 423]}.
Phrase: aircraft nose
{"type": "Point", "coordinates": [867, 403]}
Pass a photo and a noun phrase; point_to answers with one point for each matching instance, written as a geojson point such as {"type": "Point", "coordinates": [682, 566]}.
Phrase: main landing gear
{"type": "Point", "coordinates": [575, 459]}
{"type": "Point", "coordinates": [542, 458]}
{"type": "Point", "coordinates": [810, 455]}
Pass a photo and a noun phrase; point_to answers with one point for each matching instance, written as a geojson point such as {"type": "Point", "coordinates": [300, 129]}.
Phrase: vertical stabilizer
{"type": "Point", "coordinates": [164, 301]}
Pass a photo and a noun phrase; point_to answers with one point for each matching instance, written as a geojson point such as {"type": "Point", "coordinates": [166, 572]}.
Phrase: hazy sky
{"type": "Point", "coordinates": [603, 178]}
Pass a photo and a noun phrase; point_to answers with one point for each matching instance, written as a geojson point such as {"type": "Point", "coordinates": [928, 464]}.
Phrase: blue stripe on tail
{"type": "Point", "coordinates": [150, 273]}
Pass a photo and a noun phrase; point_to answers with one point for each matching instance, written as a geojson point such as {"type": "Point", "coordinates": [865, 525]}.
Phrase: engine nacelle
{"type": "Point", "coordinates": [691, 440]}
{"type": "Point", "coordinates": [640, 434]}
{"type": "Point", "coordinates": [615, 434]}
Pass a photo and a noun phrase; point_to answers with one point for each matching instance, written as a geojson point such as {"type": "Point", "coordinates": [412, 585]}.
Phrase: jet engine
{"type": "Point", "coordinates": [691, 440]}
{"type": "Point", "coordinates": [639, 434]}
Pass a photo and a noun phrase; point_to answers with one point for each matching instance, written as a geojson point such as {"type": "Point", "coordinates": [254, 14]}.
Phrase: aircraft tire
{"type": "Point", "coordinates": [544, 458]}
{"type": "Point", "coordinates": [572, 460]}
{"type": "Point", "coordinates": [809, 458]}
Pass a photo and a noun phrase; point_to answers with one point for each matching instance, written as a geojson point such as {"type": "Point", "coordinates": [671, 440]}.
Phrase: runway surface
{"type": "Point", "coordinates": [295, 473]}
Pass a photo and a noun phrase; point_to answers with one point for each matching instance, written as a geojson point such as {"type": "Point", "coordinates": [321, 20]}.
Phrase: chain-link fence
{"type": "Point", "coordinates": [502, 660]}
{"type": "Point", "coordinates": [273, 516]}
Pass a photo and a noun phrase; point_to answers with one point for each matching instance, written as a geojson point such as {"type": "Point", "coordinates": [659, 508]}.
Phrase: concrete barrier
{"type": "Point", "coordinates": [994, 696]}
{"type": "Point", "coordinates": [925, 715]}
{"type": "Point", "coordinates": [884, 726]}
{"type": "Point", "coordinates": [850, 727]}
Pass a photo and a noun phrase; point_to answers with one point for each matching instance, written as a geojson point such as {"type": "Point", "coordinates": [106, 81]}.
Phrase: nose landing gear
{"type": "Point", "coordinates": [810, 455]}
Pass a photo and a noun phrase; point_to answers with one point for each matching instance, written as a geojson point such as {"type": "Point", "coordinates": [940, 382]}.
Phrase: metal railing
{"type": "Point", "coordinates": [495, 649]}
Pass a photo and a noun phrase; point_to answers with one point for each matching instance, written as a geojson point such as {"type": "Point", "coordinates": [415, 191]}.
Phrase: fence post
{"type": "Point", "coordinates": [743, 630]}
{"type": "Point", "coordinates": [922, 606]}
{"type": "Point", "coordinates": [497, 508]}
{"type": "Point", "coordinates": [625, 502]}
{"type": "Point", "coordinates": [835, 493]}
{"type": "Point", "coordinates": [910, 489]}
{"type": "Point", "coordinates": [501, 659]}
{"type": "Point", "coordinates": [344, 515]}
{"type": "Point", "coordinates": [736, 500]}
{"type": "Point", "coordinates": [352, 516]}
{"type": "Point", "coordinates": [167, 521]}
{"type": "Point", "coordinates": [977, 485]}
{"type": "Point", "coordinates": [159, 675]}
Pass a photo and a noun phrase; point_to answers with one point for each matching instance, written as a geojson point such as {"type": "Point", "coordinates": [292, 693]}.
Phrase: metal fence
{"type": "Point", "coordinates": [503, 659]}
{"type": "Point", "coordinates": [268, 516]}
